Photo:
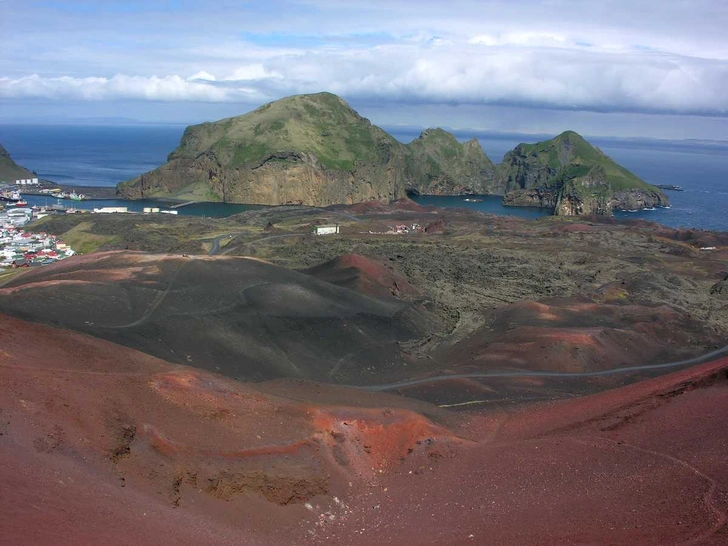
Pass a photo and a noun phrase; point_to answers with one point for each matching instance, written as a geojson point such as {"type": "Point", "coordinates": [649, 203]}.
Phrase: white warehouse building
{"type": "Point", "coordinates": [326, 230]}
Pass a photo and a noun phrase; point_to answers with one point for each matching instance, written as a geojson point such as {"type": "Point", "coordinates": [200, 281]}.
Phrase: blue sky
{"type": "Point", "coordinates": [611, 67]}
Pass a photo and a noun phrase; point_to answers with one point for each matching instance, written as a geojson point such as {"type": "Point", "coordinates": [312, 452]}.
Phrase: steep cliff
{"type": "Point", "coordinates": [10, 171]}
{"type": "Point", "coordinates": [306, 149]}
{"type": "Point", "coordinates": [440, 165]}
{"type": "Point", "coordinates": [573, 177]}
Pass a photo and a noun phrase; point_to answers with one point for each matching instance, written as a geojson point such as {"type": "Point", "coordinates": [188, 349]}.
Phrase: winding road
{"type": "Point", "coordinates": [647, 367]}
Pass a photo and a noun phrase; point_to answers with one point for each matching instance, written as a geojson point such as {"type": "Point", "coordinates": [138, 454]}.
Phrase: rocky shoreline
{"type": "Point", "coordinates": [565, 203]}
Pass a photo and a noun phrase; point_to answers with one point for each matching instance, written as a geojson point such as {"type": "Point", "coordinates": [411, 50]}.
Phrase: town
{"type": "Point", "coordinates": [19, 248]}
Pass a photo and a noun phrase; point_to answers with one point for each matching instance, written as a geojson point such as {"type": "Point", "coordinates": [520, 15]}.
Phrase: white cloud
{"type": "Point", "coordinates": [120, 86]}
{"type": "Point", "coordinates": [202, 75]}
{"type": "Point", "coordinates": [254, 71]}
{"type": "Point", "coordinates": [520, 39]}
{"type": "Point", "coordinates": [615, 55]}
{"type": "Point", "coordinates": [554, 77]}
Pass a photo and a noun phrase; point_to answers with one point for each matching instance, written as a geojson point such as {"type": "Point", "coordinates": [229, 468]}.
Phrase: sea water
{"type": "Point", "coordinates": [105, 155]}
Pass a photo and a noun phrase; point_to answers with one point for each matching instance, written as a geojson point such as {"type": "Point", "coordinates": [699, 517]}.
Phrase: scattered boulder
{"type": "Point", "coordinates": [720, 289]}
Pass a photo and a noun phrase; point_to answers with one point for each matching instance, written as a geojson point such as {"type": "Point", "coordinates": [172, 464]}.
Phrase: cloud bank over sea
{"type": "Point", "coordinates": [655, 58]}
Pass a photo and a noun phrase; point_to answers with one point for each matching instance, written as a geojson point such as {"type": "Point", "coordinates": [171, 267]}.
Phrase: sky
{"type": "Point", "coordinates": [631, 68]}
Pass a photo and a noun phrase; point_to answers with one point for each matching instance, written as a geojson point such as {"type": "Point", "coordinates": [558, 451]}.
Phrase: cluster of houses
{"type": "Point", "coordinates": [16, 217]}
{"type": "Point", "coordinates": [21, 249]}
{"type": "Point", "coordinates": [401, 229]}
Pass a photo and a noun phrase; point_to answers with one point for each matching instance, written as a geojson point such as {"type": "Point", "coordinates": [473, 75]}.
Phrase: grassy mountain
{"type": "Point", "coordinates": [322, 125]}
{"type": "Point", "coordinates": [442, 165]}
{"type": "Point", "coordinates": [10, 171]}
{"type": "Point", "coordinates": [574, 177]}
{"type": "Point", "coordinates": [310, 149]}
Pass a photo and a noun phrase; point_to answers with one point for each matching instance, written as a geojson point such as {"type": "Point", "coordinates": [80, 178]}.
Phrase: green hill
{"type": "Point", "coordinates": [574, 177]}
{"type": "Point", "coordinates": [305, 149]}
{"type": "Point", "coordinates": [10, 171]}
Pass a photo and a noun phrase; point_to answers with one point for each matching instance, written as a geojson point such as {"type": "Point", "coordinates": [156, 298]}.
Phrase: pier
{"type": "Point", "coordinates": [180, 205]}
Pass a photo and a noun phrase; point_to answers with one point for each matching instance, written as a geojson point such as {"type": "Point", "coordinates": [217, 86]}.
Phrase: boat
{"type": "Point", "coordinates": [10, 197]}
{"type": "Point", "coordinates": [473, 200]}
{"type": "Point", "coordinates": [73, 196]}
{"type": "Point", "coordinates": [21, 203]}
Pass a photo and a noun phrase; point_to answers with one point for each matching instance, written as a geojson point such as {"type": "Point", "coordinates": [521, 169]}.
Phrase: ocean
{"type": "Point", "coordinates": [105, 155]}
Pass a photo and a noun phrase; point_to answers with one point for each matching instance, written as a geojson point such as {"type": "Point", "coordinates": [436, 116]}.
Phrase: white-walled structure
{"type": "Point", "coordinates": [109, 210]}
{"type": "Point", "coordinates": [326, 230]}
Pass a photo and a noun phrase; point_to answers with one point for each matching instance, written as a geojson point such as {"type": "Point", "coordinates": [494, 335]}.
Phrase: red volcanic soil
{"type": "Point", "coordinates": [694, 237]}
{"type": "Point", "coordinates": [364, 275]}
{"type": "Point", "coordinates": [642, 465]}
{"type": "Point", "coordinates": [572, 335]}
{"type": "Point", "coordinates": [401, 205]}
{"type": "Point", "coordinates": [101, 444]}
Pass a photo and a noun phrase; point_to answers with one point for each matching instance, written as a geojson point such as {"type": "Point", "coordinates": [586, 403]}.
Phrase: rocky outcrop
{"type": "Point", "coordinates": [638, 199]}
{"type": "Point", "coordinates": [535, 197]}
{"type": "Point", "coordinates": [519, 172]}
{"type": "Point", "coordinates": [571, 177]}
{"type": "Point", "coordinates": [720, 289]}
{"type": "Point", "coordinates": [300, 179]}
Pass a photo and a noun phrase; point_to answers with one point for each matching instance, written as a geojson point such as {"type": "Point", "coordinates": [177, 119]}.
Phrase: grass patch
{"type": "Point", "coordinates": [83, 241]}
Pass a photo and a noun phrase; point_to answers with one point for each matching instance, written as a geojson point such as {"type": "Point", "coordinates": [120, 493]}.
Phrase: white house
{"type": "Point", "coordinates": [326, 230]}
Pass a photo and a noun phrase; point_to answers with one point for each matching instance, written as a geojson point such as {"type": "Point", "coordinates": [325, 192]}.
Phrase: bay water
{"type": "Point", "coordinates": [96, 155]}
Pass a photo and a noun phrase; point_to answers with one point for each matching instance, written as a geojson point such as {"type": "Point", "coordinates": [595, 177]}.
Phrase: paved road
{"type": "Point", "coordinates": [648, 367]}
{"type": "Point", "coordinates": [215, 248]}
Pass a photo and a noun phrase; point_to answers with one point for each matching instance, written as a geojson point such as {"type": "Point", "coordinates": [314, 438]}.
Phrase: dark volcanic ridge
{"type": "Point", "coordinates": [241, 317]}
